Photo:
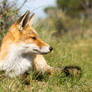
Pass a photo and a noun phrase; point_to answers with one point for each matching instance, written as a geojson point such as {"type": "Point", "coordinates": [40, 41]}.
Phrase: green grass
{"type": "Point", "coordinates": [66, 52]}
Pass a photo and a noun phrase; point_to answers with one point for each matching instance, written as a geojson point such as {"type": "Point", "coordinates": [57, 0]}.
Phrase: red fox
{"type": "Point", "coordinates": [22, 50]}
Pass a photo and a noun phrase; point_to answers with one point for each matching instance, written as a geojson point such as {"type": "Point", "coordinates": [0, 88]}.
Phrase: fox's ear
{"type": "Point", "coordinates": [30, 22]}
{"type": "Point", "coordinates": [22, 21]}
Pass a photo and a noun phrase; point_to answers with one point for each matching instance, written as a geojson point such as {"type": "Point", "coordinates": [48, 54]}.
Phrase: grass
{"type": "Point", "coordinates": [66, 52]}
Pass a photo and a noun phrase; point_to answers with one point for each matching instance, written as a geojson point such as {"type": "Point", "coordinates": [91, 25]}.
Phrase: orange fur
{"type": "Point", "coordinates": [37, 60]}
{"type": "Point", "coordinates": [16, 35]}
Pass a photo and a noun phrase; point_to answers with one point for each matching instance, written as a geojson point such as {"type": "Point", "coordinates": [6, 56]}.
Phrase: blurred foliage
{"type": "Point", "coordinates": [56, 19]}
{"type": "Point", "coordinates": [69, 17]}
{"type": "Point", "coordinates": [8, 14]}
{"type": "Point", "coordinates": [63, 19]}
{"type": "Point", "coordinates": [78, 8]}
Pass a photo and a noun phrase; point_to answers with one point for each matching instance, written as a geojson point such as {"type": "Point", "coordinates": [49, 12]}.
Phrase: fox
{"type": "Point", "coordinates": [22, 49]}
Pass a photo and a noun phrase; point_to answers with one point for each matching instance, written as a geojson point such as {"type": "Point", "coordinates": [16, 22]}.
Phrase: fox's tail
{"type": "Point", "coordinates": [68, 70]}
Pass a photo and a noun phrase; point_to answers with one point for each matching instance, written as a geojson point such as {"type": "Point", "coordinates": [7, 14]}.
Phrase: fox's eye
{"type": "Point", "coordinates": [34, 38]}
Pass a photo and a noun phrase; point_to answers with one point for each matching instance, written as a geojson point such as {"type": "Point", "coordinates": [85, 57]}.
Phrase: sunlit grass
{"type": "Point", "coordinates": [66, 52]}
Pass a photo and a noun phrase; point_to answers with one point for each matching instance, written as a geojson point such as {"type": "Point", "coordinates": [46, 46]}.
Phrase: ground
{"type": "Point", "coordinates": [66, 52]}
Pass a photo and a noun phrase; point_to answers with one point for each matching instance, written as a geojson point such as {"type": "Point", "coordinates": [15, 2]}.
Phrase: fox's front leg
{"type": "Point", "coordinates": [41, 65]}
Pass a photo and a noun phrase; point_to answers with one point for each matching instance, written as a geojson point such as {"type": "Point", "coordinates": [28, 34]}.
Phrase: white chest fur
{"type": "Point", "coordinates": [16, 62]}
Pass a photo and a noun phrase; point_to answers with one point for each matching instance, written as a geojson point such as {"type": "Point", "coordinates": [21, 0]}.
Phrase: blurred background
{"type": "Point", "coordinates": [60, 16]}
{"type": "Point", "coordinates": [67, 26]}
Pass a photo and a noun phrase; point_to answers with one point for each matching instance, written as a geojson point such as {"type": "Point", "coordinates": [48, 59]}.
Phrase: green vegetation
{"type": "Point", "coordinates": [66, 52]}
{"type": "Point", "coordinates": [71, 38]}
{"type": "Point", "coordinates": [77, 8]}
{"type": "Point", "coordinates": [8, 14]}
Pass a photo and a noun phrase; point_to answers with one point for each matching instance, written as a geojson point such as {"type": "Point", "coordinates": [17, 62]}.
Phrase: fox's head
{"type": "Point", "coordinates": [26, 38]}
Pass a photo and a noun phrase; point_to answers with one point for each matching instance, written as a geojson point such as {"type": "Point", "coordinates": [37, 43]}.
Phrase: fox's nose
{"type": "Point", "coordinates": [50, 49]}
